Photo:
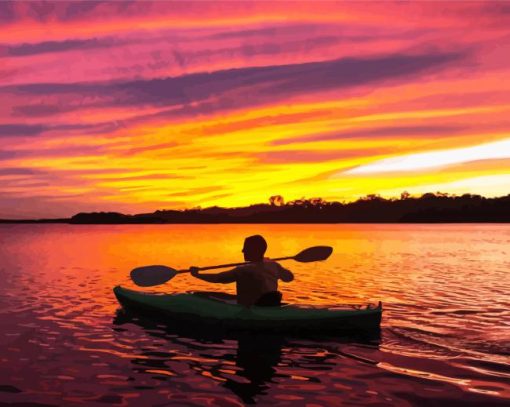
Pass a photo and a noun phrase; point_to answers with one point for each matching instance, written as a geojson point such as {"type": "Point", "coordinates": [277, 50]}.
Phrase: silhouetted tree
{"type": "Point", "coordinates": [405, 195]}
{"type": "Point", "coordinates": [317, 202]}
{"type": "Point", "coordinates": [428, 195]}
{"type": "Point", "coordinates": [276, 200]}
{"type": "Point", "coordinates": [297, 202]}
{"type": "Point", "coordinates": [372, 197]}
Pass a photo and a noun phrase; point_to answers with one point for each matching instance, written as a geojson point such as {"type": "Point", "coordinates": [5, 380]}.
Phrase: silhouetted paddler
{"type": "Point", "coordinates": [256, 283]}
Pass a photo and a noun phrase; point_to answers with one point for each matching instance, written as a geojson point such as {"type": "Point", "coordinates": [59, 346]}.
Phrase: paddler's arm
{"type": "Point", "coordinates": [285, 275]}
{"type": "Point", "coordinates": [222, 278]}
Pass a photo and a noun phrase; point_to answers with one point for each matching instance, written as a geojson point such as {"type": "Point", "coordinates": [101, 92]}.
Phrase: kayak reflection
{"type": "Point", "coordinates": [245, 363]}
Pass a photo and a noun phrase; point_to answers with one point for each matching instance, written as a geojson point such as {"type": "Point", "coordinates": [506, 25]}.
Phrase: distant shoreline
{"type": "Point", "coordinates": [429, 208]}
{"type": "Point", "coordinates": [35, 220]}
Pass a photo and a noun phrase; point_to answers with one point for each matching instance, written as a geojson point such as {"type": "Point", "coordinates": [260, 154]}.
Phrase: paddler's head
{"type": "Point", "coordinates": [254, 248]}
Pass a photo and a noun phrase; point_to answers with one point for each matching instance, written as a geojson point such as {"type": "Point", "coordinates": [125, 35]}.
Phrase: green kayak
{"type": "Point", "coordinates": [218, 310]}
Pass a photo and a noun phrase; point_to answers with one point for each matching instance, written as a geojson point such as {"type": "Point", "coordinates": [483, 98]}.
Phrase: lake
{"type": "Point", "coordinates": [445, 336]}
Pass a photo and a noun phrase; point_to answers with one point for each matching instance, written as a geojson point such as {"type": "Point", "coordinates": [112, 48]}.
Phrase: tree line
{"type": "Point", "coordinates": [428, 208]}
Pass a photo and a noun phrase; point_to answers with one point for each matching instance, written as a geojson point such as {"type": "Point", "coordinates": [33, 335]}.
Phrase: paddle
{"type": "Point", "coordinates": [148, 276]}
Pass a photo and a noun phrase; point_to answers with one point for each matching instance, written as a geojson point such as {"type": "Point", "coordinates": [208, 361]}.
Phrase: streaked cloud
{"type": "Point", "coordinates": [379, 132]}
{"type": "Point", "coordinates": [282, 80]}
{"type": "Point", "coordinates": [19, 129]}
{"type": "Point", "coordinates": [46, 47]}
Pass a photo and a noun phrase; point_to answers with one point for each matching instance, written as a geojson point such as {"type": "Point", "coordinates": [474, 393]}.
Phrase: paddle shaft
{"type": "Point", "coordinates": [232, 265]}
{"type": "Point", "coordinates": [148, 276]}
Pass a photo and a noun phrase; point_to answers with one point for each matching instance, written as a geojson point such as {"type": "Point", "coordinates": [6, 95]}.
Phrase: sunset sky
{"type": "Point", "coordinates": [138, 106]}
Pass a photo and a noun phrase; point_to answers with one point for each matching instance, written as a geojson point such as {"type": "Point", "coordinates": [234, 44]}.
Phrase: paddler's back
{"type": "Point", "coordinates": [257, 279]}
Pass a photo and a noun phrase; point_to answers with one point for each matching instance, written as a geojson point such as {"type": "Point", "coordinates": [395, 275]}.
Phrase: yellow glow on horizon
{"type": "Point", "coordinates": [212, 161]}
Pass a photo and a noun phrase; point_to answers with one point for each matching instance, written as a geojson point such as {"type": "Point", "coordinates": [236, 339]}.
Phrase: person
{"type": "Point", "coordinates": [256, 283]}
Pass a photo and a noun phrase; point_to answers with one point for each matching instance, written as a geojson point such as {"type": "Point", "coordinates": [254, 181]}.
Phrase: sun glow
{"type": "Point", "coordinates": [436, 159]}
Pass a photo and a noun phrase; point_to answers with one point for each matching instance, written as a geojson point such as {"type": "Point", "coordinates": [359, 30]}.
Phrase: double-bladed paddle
{"type": "Point", "coordinates": [148, 276]}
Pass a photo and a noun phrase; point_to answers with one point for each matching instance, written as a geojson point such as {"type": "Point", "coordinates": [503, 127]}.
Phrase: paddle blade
{"type": "Point", "coordinates": [148, 276]}
{"type": "Point", "coordinates": [315, 253]}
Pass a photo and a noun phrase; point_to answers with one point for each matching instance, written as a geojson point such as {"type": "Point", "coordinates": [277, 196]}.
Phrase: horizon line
{"type": "Point", "coordinates": [374, 196]}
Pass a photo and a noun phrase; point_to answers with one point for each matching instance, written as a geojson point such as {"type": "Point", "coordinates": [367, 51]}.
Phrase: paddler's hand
{"type": "Point", "coordinates": [194, 271]}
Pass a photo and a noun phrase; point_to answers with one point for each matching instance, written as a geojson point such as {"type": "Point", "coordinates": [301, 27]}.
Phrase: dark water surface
{"type": "Point", "coordinates": [445, 337]}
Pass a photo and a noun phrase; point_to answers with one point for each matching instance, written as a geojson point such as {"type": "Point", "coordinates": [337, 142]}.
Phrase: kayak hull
{"type": "Point", "coordinates": [200, 311]}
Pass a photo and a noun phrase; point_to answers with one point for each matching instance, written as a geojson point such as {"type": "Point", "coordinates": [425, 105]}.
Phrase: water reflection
{"type": "Point", "coordinates": [245, 363]}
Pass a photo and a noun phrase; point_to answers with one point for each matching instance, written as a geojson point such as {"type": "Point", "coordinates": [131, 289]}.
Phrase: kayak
{"type": "Point", "coordinates": [206, 309]}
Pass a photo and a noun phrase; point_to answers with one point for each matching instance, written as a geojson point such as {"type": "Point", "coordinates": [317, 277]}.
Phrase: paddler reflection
{"type": "Point", "coordinates": [254, 361]}
{"type": "Point", "coordinates": [257, 357]}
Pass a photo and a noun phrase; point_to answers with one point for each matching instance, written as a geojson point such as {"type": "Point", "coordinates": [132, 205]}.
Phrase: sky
{"type": "Point", "coordinates": [137, 106]}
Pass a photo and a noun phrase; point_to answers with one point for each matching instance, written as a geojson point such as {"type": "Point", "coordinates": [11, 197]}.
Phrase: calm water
{"type": "Point", "coordinates": [445, 335]}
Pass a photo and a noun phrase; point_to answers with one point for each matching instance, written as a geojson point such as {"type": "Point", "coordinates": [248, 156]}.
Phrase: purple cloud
{"type": "Point", "coordinates": [56, 46]}
{"type": "Point", "coordinates": [79, 9]}
{"type": "Point", "coordinates": [31, 130]}
{"type": "Point", "coordinates": [67, 151]}
{"type": "Point", "coordinates": [21, 130]}
{"type": "Point", "coordinates": [16, 171]}
{"type": "Point", "coordinates": [7, 12]}
{"type": "Point", "coordinates": [39, 110]}
{"type": "Point", "coordinates": [245, 86]}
